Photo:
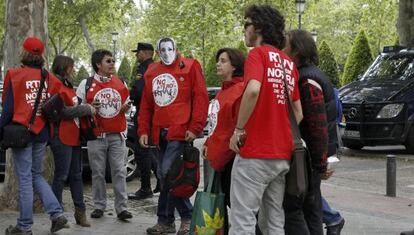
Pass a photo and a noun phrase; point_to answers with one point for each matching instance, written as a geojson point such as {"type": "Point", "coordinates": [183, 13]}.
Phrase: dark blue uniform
{"type": "Point", "coordinates": [144, 157]}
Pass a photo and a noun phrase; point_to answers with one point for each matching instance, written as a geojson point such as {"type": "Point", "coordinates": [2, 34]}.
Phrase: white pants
{"type": "Point", "coordinates": [257, 184]}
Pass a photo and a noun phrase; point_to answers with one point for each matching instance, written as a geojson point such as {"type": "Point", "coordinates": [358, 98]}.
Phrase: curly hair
{"type": "Point", "coordinates": [29, 59]}
{"type": "Point", "coordinates": [97, 57]}
{"type": "Point", "coordinates": [269, 22]}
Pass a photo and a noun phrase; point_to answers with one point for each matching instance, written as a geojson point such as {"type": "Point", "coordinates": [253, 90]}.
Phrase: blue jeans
{"type": "Point", "coordinates": [28, 164]}
{"type": "Point", "coordinates": [330, 216]}
{"type": "Point", "coordinates": [167, 203]}
{"type": "Point", "coordinates": [68, 166]}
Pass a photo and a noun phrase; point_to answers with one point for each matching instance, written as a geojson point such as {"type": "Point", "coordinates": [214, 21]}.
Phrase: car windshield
{"type": "Point", "coordinates": [391, 67]}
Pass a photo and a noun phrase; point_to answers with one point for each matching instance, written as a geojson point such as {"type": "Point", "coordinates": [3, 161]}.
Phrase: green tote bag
{"type": "Point", "coordinates": [209, 209]}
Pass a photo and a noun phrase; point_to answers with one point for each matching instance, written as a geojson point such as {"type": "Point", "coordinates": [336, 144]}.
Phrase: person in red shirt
{"type": "Point", "coordinates": [174, 109]}
{"type": "Point", "coordinates": [110, 96]}
{"type": "Point", "coordinates": [262, 138]}
{"type": "Point", "coordinates": [22, 87]}
{"type": "Point", "coordinates": [65, 143]}
{"type": "Point", "coordinates": [222, 116]}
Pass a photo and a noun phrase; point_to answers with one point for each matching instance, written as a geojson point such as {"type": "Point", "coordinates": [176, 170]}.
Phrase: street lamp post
{"type": "Point", "coordinates": [114, 39]}
{"type": "Point", "coordinates": [314, 35]}
{"type": "Point", "coordinates": [300, 7]}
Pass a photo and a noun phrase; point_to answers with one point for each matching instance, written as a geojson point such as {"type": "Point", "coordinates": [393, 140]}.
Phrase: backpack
{"type": "Point", "coordinates": [183, 176]}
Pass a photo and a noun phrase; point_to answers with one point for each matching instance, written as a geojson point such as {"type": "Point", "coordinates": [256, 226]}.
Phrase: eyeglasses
{"type": "Point", "coordinates": [110, 61]}
{"type": "Point", "coordinates": [247, 24]}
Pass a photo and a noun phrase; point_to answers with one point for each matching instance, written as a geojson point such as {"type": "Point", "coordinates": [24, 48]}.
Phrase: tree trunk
{"type": "Point", "coordinates": [405, 24]}
{"type": "Point", "coordinates": [24, 18]}
{"type": "Point", "coordinates": [85, 31]}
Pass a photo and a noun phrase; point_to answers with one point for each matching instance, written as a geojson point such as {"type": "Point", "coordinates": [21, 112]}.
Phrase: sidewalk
{"type": "Point", "coordinates": [356, 190]}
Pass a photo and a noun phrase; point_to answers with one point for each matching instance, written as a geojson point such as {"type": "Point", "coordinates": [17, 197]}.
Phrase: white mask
{"type": "Point", "coordinates": [167, 50]}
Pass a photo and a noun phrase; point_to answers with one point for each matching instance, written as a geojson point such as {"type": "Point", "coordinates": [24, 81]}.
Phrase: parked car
{"type": "Point", "coordinates": [379, 107]}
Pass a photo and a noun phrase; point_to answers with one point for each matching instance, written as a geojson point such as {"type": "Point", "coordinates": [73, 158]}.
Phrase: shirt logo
{"type": "Point", "coordinates": [213, 109]}
{"type": "Point", "coordinates": [111, 102]}
{"type": "Point", "coordinates": [164, 89]}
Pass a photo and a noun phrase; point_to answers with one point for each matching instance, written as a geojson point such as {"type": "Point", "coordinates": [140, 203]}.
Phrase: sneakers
{"type": "Point", "coordinates": [13, 230]}
{"type": "Point", "coordinates": [58, 224]}
{"type": "Point", "coordinates": [184, 227]}
{"type": "Point", "coordinates": [97, 213]}
{"type": "Point", "coordinates": [335, 229]}
{"type": "Point", "coordinates": [161, 229]}
{"type": "Point", "coordinates": [140, 194]}
{"type": "Point", "coordinates": [124, 215]}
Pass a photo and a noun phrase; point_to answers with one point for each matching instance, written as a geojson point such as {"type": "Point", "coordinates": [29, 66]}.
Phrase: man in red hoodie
{"type": "Point", "coordinates": [175, 102]}
{"type": "Point", "coordinates": [263, 137]}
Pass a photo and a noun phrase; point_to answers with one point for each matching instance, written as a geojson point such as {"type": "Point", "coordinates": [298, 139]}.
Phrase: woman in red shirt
{"type": "Point", "coordinates": [65, 142]}
{"type": "Point", "coordinates": [222, 116]}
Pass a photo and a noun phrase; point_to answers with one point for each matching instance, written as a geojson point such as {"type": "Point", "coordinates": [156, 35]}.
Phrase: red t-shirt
{"type": "Point", "coordinates": [268, 129]}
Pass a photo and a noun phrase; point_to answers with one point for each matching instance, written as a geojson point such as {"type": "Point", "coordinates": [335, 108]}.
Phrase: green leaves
{"type": "Point", "coordinates": [327, 63]}
{"type": "Point", "coordinates": [124, 71]}
{"type": "Point", "coordinates": [358, 60]}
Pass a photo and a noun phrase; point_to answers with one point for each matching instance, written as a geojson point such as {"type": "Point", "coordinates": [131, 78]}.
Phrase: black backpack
{"type": "Point", "coordinates": [183, 176]}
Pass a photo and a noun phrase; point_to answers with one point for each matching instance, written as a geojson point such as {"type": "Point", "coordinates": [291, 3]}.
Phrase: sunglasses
{"type": "Point", "coordinates": [110, 61]}
{"type": "Point", "coordinates": [247, 24]}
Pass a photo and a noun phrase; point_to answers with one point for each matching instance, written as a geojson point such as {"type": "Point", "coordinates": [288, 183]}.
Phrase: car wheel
{"type": "Point", "coordinates": [130, 163]}
{"type": "Point", "coordinates": [409, 142]}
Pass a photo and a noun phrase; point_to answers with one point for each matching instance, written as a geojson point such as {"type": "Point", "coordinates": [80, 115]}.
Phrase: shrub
{"type": "Point", "coordinates": [358, 59]}
{"type": "Point", "coordinates": [327, 63]}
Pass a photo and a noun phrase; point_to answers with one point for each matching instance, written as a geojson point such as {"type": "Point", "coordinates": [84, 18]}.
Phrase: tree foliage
{"type": "Point", "coordinates": [327, 63]}
{"type": "Point", "coordinates": [124, 71]}
{"type": "Point", "coordinates": [82, 74]}
{"type": "Point", "coordinates": [358, 60]}
{"type": "Point", "coordinates": [211, 72]}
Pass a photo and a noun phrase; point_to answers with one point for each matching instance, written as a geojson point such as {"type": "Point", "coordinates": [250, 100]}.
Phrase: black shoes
{"type": "Point", "coordinates": [124, 215]}
{"type": "Point", "coordinates": [13, 230]}
{"type": "Point", "coordinates": [335, 229]}
{"type": "Point", "coordinates": [58, 224]}
{"type": "Point", "coordinates": [97, 213]}
{"type": "Point", "coordinates": [140, 194]}
{"type": "Point", "coordinates": [157, 188]}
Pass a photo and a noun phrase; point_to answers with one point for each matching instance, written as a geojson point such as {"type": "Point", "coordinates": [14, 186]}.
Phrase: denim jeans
{"type": "Point", "coordinates": [28, 164]}
{"type": "Point", "coordinates": [68, 166]}
{"type": "Point", "coordinates": [167, 203]}
{"type": "Point", "coordinates": [330, 216]}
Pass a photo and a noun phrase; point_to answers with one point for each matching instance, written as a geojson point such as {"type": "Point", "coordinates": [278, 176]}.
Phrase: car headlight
{"type": "Point", "coordinates": [390, 111]}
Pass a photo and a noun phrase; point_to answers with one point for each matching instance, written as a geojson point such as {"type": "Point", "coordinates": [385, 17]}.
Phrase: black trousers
{"type": "Point", "coordinates": [303, 215]}
{"type": "Point", "coordinates": [146, 161]}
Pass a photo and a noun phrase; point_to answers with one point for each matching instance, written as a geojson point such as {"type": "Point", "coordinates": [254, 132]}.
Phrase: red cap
{"type": "Point", "coordinates": [33, 45]}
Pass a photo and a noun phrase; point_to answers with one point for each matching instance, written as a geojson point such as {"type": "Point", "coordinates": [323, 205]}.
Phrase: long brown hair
{"type": "Point", "coordinates": [60, 66]}
{"type": "Point", "coordinates": [302, 44]}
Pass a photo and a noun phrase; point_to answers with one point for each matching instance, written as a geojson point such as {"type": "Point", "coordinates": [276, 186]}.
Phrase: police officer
{"type": "Point", "coordinates": [144, 157]}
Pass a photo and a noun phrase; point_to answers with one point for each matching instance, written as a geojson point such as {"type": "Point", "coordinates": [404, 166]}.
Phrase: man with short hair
{"type": "Point", "coordinates": [175, 102]}
{"type": "Point", "coordinates": [144, 157]}
{"type": "Point", "coordinates": [263, 138]}
{"type": "Point", "coordinates": [110, 97]}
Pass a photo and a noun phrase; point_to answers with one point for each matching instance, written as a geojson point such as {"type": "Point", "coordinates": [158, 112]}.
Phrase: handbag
{"type": "Point", "coordinates": [297, 179]}
{"type": "Point", "coordinates": [52, 108]}
{"type": "Point", "coordinates": [209, 209]}
{"type": "Point", "coordinates": [16, 135]}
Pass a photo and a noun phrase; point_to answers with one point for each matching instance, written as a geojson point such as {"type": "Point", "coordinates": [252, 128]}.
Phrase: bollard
{"type": "Point", "coordinates": [391, 176]}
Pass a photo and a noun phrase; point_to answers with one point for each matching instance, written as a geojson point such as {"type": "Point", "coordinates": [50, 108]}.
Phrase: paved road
{"type": "Point", "coordinates": [357, 189]}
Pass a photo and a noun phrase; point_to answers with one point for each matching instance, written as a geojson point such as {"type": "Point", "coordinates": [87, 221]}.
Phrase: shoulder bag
{"type": "Point", "coordinates": [297, 179]}
{"type": "Point", "coordinates": [17, 135]}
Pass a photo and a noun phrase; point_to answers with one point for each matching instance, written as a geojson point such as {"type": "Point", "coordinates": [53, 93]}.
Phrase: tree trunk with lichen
{"type": "Point", "coordinates": [24, 18]}
{"type": "Point", "coordinates": [405, 24]}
